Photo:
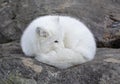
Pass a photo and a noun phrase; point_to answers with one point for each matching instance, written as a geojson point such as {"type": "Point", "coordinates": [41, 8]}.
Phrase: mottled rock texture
{"type": "Point", "coordinates": [15, 68]}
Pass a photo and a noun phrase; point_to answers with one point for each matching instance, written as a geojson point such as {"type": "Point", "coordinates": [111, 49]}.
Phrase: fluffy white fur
{"type": "Point", "coordinates": [60, 41]}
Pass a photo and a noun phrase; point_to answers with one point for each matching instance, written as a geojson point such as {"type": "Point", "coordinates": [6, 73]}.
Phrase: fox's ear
{"type": "Point", "coordinates": [41, 32]}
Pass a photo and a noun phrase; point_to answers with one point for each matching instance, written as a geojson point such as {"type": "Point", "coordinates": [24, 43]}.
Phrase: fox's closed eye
{"type": "Point", "coordinates": [56, 41]}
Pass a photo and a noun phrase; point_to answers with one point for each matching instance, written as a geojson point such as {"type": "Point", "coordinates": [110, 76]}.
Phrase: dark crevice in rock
{"type": "Point", "coordinates": [100, 44]}
{"type": "Point", "coordinates": [4, 40]}
{"type": "Point", "coordinates": [14, 16]}
{"type": "Point", "coordinates": [115, 43]}
{"type": "Point", "coordinates": [112, 44]}
{"type": "Point", "coordinates": [112, 17]}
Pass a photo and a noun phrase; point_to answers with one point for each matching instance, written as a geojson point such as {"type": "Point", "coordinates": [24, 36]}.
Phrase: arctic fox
{"type": "Point", "coordinates": [60, 41]}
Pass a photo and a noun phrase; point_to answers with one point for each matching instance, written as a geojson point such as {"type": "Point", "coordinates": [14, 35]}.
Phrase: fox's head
{"type": "Point", "coordinates": [49, 37]}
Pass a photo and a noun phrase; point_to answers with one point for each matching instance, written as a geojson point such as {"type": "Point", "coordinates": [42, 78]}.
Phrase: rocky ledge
{"type": "Point", "coordinates": [16, 68]}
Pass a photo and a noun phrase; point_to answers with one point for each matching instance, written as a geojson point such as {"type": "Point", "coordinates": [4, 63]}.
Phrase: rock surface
{"type": "Point", "coordinates": [101, 16]}
{"type": "Point", "coordinates": [15, 68]}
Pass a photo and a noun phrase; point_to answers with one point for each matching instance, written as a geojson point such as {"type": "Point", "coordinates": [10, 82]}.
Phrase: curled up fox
{"type": "Point", "coordinates": [60, 41]}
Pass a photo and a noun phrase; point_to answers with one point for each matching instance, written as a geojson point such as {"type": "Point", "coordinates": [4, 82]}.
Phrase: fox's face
{"type": "Point", "coordinates": [49, 35]}
{"type": "Point", "coordinates": [48, 41]}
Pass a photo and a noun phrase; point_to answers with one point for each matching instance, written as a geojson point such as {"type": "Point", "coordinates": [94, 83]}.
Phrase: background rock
{"type": "Point", "coordinates": [15, 68]}
{"type": "Point", "coordinates": [101, 16]}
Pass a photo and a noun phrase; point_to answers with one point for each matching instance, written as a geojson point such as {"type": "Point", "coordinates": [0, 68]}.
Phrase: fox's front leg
{"type": "Point", "coordinates": [53, 58]}
{"type": "Point", "coordinates": [46, 57]}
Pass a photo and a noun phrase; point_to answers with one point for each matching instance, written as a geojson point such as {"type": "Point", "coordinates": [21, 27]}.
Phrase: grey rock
{"type": "Point", "coordinates": [104, 69]}
{"type": "Point", "coordinates": [100, 16]}
{"type": "Point", "coordinates": [17, 80]}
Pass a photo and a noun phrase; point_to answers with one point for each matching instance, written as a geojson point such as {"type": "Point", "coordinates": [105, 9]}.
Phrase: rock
{"type": "Point", "coordinates": [17, 80]}
{"type": "Point", "coordinates": [9, 29]}
{"type": "Point", "coordinates": [16, 68]}
{"type": "Point", "coordinates": [29, 63]}
{"type": "Point", "coordinates": [102, 17]}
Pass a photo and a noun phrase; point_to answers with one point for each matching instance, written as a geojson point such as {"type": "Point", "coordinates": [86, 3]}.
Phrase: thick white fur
{"type": "Point", "coordinates": [75, 45]}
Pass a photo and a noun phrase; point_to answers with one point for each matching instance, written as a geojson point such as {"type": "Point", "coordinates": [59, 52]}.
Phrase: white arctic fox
{"type": "Point", "coordinates": [60, 41]}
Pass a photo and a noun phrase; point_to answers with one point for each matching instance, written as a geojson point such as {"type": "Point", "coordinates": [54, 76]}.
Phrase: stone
{"type": "Point", "coordinates": [104, 69]}
{"type": "Point", "coordinates": [29, 63]}
{"type": "Point", "coordinates": [17, 80]}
